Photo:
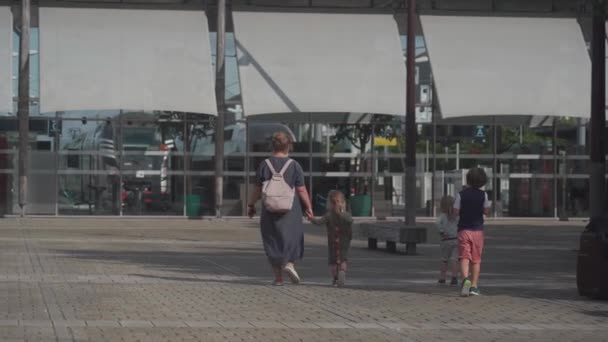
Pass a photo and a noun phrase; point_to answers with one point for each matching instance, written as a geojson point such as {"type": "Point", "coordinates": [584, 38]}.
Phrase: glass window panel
{"type": "Point", "coordinates": [389, 195]}
{"type": "Point", "coordinates": [152, 166]}
{"type": "Point", "coordinates": [289, 3]}
{"type": "Point", "coordinates": [8, 164]}
{"type": "Point", "coordinates": [524, 5]}
{"type": "Point", "coordinates": [480, 5]}
{"type": "Point", "coordinates": [525, 167]}
{"type": "Point", "coordinates": [88, 168]}
{"type": "Point", "coordinates": [341, 3]}
{"type": "Point", "coordinates": [260, 137]}
{"type": "Point", "coordinates": [34, 71]}
{"type": "Point", "coordinates": [235, 199]}
{"type": "Point", "coordinates": [229, 47]}
{"type": "Point", "coordinates": [200, 196]}
{"type": "Point", "coordinates": [233, 85]}
{"type": "Point", "coordinates": [360, 203]}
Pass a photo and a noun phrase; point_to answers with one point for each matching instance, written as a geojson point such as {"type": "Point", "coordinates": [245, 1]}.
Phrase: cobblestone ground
{"type": "Point", "coordinates": [179, 280]}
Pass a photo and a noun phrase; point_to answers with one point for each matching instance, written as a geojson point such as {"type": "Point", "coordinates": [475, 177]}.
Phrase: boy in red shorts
{"type": "Point", "coordinates": [470, 205]}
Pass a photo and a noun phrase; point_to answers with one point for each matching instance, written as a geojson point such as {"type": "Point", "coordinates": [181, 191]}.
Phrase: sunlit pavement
{"type": "Point", "coordinates": [184, 280]}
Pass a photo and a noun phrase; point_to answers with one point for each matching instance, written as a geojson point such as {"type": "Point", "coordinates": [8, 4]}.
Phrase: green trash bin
{"type": "Point", "coordinates": [193, 205]}
{"type": "Point", "coordinates": [361, 205]}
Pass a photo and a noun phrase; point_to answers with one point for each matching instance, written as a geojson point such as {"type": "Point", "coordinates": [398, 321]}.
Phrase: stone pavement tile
{"type": "Point", "coordinates": [588, 326]}
{"type": "Point", "coordinates": [397, 326]}
{"type": "Point", "coordinates": [9, 323]}
{"type": "Point", "coordinates": [524, 326]}
{"type": "Point", "coordinates": [462, 326]}
{"type": "Point", "coordinates": [429, 326]}
{"type": "Point", "coordinates": [234, 324]}
{"type": "Point", "coordinates": [202, 324]}
{"type": "Point", "coordinates": [494, 326]}
{"type": "Point", "coordinates": [245, 334]}
{"type": "Point", "coordinates": [69, 323]}
{"type": "Point", "coordinates": [333, 325]}
{"type": "Point", "coordinates": [136, 324]}
{"type": "Point", "coordinates": [35, 323]}
{"type": "Point", "coordinates": [268, 325]}
{"type": "Point", "coordinates": [169, 324]}
{"type": "Point", "coordinates": [301, 325]}
{"type": "Point", "coordinates": [366, 325]}
{"type": "Point", "coordinates": [63, 334]}
{"type": "Point", "coordinates": [27, 334]}
{"type": "Point", "coordinates": [555, 326]}
{"type": "Point", "coordinates": [103, 323]}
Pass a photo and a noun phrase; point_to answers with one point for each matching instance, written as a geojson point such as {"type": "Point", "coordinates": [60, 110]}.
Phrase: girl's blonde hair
{"type": "Point", "coordinates": [336, 197]}
{"type": "Point", "coordinates": [447, 205]}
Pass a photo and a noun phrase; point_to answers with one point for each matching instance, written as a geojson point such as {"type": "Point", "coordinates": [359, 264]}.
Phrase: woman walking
{"type": "Point", "coordinates": [282, 232]}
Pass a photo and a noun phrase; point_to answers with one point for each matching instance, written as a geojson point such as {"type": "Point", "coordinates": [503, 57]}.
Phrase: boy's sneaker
{"type": "Point", "coordinates": [441, 282]}
{"type": "Point", "coordinates": [466, 288]}
{"type": "Point", "coordinates": [454, 281]}
{"type": "Point", "coordinates": [341, 278]}
{"type": "Point", "coordinates": [474, 291]}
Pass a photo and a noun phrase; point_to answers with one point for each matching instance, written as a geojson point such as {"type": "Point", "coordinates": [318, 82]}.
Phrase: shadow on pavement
{"type": "Point", "coordinates": [532, 263]}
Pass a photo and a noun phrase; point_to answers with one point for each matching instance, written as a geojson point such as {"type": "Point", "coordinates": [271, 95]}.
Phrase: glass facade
{"type": "Point", "coordinates": [159, 163]}
{"type": "Point", "coordinates": [133, 163]}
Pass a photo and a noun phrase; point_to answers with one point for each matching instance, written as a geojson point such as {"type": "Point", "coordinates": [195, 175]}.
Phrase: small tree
{"type": "Point", "coordinates": [360, 135]}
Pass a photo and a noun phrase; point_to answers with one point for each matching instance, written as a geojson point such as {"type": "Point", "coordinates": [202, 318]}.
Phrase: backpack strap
{"type": "Point", "coordinates": [274, 172]}
{"type": "Point", "coordinates": [282, 172]}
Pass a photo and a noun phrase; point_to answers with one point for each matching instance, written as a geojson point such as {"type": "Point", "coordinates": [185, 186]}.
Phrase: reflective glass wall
{"type": "Point", "coordinates": [162, 163]}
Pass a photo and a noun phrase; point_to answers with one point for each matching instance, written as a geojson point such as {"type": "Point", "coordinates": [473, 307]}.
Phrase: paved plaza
{"type": "Point", "coordinates": [82, 279]}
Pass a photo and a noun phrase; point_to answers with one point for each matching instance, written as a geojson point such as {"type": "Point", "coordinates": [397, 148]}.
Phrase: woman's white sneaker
{"type": "Point", "coordinates": [292, 274]}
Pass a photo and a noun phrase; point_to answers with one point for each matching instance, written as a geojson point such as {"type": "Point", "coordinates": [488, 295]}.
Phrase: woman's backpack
{"type": "Point", "coordinates": [277, 195]}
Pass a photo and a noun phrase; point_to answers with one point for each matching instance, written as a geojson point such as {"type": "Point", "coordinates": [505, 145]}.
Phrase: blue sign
{"type": "Point", "coordinates": [480, 131]}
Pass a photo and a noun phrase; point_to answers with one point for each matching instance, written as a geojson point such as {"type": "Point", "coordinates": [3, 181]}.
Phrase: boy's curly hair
{"type": "Point", "coordinates": [477, 178]}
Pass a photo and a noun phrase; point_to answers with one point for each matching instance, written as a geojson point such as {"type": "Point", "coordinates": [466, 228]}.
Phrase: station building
{"type": "Point", "coordinates": [123, 103]}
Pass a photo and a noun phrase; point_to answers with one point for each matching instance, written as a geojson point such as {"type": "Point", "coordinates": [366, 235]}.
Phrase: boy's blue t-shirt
{"type": "Point", "coordinates": [471, 203]}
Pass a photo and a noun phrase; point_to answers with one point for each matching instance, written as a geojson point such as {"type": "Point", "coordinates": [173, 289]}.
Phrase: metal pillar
{"type": "Point", "coordinates": [23, 110]}
{"type": "Point", "coordinates": [434, 174]}
{"type": "Point", "coordinates": [598, 113]}
{"type": "Point", "coordinates": [219, 94]}
{"type": "Point", "coordinates": [410, 119]}
{"type": "Point", "coordinates": [495, 179]}
{"type": "Point", "coordinates": [556, 213]}
{"type": "Point", "coordinates": [591, 275]}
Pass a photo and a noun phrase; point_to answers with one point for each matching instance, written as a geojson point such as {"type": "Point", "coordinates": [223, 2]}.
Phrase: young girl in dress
{"type": "Point", "coordinates": [447, 226]}
{"type": "Point", "coordinates": [339, 234]}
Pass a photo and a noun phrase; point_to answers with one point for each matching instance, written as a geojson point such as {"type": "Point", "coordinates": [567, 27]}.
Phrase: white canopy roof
{"type": "Point", "coordinates": [97, 59]}
{"type": "Point", "coordinates": [486, 66]}
{"type": "Point", "coordinates": [311, 62]}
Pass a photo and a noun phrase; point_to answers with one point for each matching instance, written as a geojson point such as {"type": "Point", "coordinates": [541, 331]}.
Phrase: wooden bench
{"type": "Point", "coordinates": [392, 233]}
